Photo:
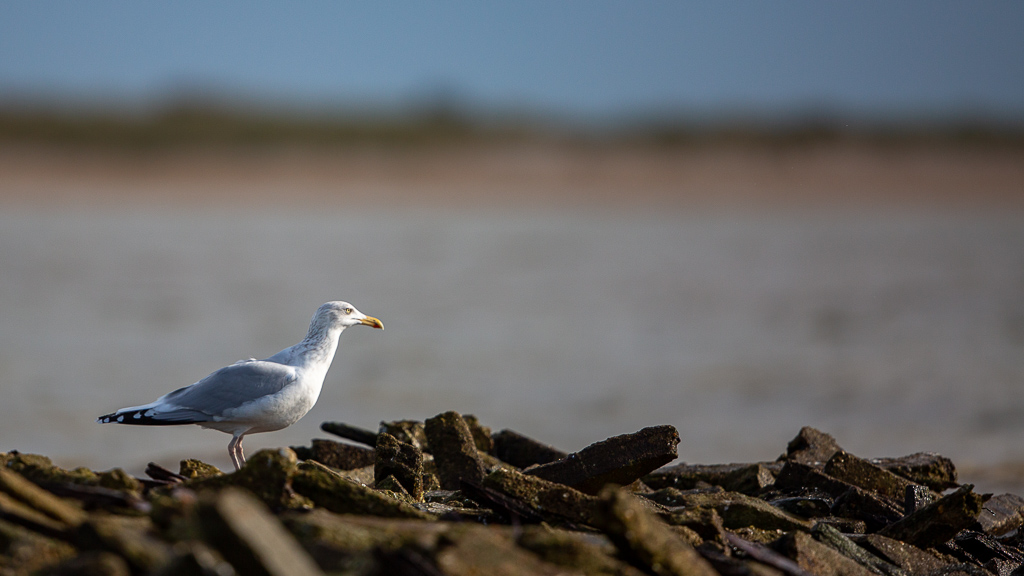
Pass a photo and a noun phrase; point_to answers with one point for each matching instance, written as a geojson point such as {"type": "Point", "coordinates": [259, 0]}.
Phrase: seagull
{"type": "Point", "coordinates": [253, 395]}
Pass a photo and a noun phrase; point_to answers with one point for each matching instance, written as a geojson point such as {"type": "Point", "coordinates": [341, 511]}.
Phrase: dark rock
{"type": "Point", "coordinates": [933, 470]}
{"type": "Point", "coordinates": [817, 558]}
{"type": "Point", "coordinates": [39, 500]}
{"type": "Point", "coordinates": [349, 432]}
{"type": "Point", "coordinates": [766, 556]}
{"type": "Point", "coordinates": [940, 520]}
{"type": "Point", "coordinates": [454, 451]}
{"type": "Point", "coordinates": [402, 461]}
{"type": "Point", "coordinates": [1001, 514]}
{"type": "Point", "coordinates": [334, 540]}
{"type": "Point", "coordinates": [330, 490]}
{"type": "Point", "coordinates": [644, 539]}
{"type": "Point", "coordinates": [805, 507]}
{"type": "Point", "coordinates": [907, 556]}
{"type": "Point", "coordinates": [92, 563]}
{"type": "Point", "coordinates": [474, 551]}
{"type": "Point", "coordinates": [831, 537]}
{"type": "Point", "coordinates": [408, 431]}
{"type": "Point", "coordinates": [267, 474]}
{"type": "Point", "coordinates": [980, 548]}
{"type": "Point", "coordinates": [251, 538]}
{"type": "Point", "coordinates": [481, 434]}
{"type": "Point", "coordinates": [336, 454]}
{"type": "Point", "coordinates": [798, 478]}
{"type": "Point", "coordinates": [575, 551]}
{"type": "Point", "coordinates": [746, 478]}
{"type": "Point", "coordinates": [133, 538]}
{"type": "Point", "coordinates": [859, 472]}
{"type": "Point", "coordinates": [549, 500]}
{"type": "Point", "coordinates": [741, 511]}
{"type": "Point", "coordinates": [618, 460]}
{"type": "Point", "coordinates": [158, 472]}
{"type": "Point", "coordinates": [196, 559]}
{"type": "Point", "coordinates": [522, 451]}
{"type": "Point", "coordinates": [876, 511]}
{"type": "Point", "coordinates": [810, 447]}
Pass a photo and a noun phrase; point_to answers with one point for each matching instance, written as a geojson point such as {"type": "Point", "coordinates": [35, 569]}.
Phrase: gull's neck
{"type": "Point", "coordinates": [316, 350]}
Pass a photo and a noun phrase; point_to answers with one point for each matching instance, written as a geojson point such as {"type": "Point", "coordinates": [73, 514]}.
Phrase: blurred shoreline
{"type": "Point", "coordinates": [525, 175]}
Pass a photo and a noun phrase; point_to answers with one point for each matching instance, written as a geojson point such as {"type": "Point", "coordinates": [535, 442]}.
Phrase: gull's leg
{"type": "Point", "coordinates": [241, 456]}
{"type": "Point", "coordinates": [235, 450]}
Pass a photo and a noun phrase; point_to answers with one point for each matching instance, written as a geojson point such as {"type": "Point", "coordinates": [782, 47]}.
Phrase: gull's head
{"type": "Point", "coordinates": [343, 315]}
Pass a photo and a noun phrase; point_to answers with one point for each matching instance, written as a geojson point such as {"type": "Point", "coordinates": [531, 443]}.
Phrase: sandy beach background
{"type": "Point", "coordinates": [568, 291]}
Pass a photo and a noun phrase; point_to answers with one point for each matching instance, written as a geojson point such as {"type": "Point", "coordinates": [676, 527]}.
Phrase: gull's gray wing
{"type": "Point", "coordinates": [229, 387]}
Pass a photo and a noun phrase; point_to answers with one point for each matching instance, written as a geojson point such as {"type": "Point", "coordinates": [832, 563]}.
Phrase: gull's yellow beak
{"type": "Point", "coordinates": [372, 322]}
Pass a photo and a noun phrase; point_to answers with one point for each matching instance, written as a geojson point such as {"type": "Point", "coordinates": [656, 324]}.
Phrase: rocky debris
{"type": "Point", "coordinates": [522, 451]}
{"type": "Point", "coordinates": [510, 505]}
{"type": "Point", "coordinates": [618, 460]}
{"type": "Point", "coordinates": [454, 450]}
{"type": "Point", "coordinates": [349, 432]}
{"type": "Point", "coordinates": [336, 455]}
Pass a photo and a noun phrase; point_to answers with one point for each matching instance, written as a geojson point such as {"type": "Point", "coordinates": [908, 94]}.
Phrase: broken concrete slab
{"type": "Point", "coordinates": [454, 450]}
{"type": "Point", "coordinates": [939, 521]}
{"type": "Point", "coordinates": [403, 462]}
{"type": "Point", "coordinates": [335, 454]}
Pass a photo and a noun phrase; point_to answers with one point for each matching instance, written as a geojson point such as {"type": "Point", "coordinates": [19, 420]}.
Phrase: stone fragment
{"type": "Point", "coordinates": [522, 451]}
{"type": "Point", "coordinates": [766, 556]}
{"type": "Point", "coordinates": [746, 478]}
{"type": "Point", "coordinates": [741, 511]}
{"type": "Point", "coordinates": [933, 470]}
{"type": "Point", "coordinates": [549, 500]}
{"type": "Point", "coordinates": [402, 461]}
{"type": "Point", "coordinates": [801, 479]}
{"type": "Point", "coordinates": [917, 496]}
{"type": "Point", "coordinates": [92, 563]}
{"type": "Point", "coordinates": [193, 469]}
{"type": "Point", "coordinates": [251, 538]}
{"type": "Point", "coordinates": [455, 453]}
{"type": "Point", "coordinates": [334, 538]}
{"type": "Point", "coordinates": [328, 489]}
{"type": "Point", "coordinates": [408, 431]}
{"type": "Point", "coordinates": [335, 454]}
{"type": "Point", "coordinates": [810, 447]}
{"type": "Point", "coordinates": [833, 538]}
{"type": "Point", "coordinates": [874, 510]}
{"type": "Point", "coordinates": [859, 472]}
{"type": "Point", "coordinates": [575, 551]}
{"type": "Point", "coordinates": [161, 474]}
{"type": "Point", "coordinates": [817, 558]}
{"type": "Point", "coordinates": [474, 551]}
{"type": "Point", "coordinates": [24, 551]}
{"type": "Point", "coordinates": [267, 474]}
{"type": "Point", "coordinates": [940, 520]}
{"type": "Point", "coordinates": [618, 460]}
{"type": "Point", "coordinates": [1002, 514]}
{"type": "Point", "coordinates": [644, 539]}
{"type": "Point", "coordinates": [349, 432]}
{"type": "Point", "coordinates": [40, 500]}
{"type": "Point", "coordinates": [195, 558]}
{"type": "Point", "coordinates": [133, 538]}
{"type": "Point", "coordinates": [481, 434]}
{"type": "Point", "coordinates": [804, 506]}
{"type": "Point", "coordinates": [980, 548]}
{"type": "Point", "coordinates": [908, 557]}
{"type": "Point", "coordinates": [24, 515]}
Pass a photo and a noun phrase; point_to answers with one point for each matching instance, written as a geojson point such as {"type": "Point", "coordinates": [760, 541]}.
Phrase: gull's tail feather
{"type": "Point", "coordinates": [153, 416]}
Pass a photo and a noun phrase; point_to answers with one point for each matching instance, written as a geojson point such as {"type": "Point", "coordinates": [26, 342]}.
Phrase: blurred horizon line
{"type": "Point", "coordinates": [207, 117]}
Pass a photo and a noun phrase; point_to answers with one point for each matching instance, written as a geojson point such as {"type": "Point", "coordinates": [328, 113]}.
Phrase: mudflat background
{"type": "Point", "coordinates": [568, 291]}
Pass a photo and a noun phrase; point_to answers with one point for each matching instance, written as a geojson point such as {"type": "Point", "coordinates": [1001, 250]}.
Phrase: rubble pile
{"type": "Point", "coordinates": [448, 497]}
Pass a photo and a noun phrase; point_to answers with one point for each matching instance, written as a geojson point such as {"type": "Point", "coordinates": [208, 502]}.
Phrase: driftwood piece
{"type": "Point", "coordinates": [940, 520]}
{"type": "Point", "coordinates": [349, 432]}
{"type": "Point", "coordinates": [522, 451]}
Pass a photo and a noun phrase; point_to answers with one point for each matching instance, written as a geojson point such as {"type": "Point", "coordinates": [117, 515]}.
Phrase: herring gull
{"type": "Point", "coordinates": [252, 395]}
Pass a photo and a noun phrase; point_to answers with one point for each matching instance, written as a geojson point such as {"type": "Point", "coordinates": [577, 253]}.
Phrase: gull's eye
{"type": "Point", "coordinates": [347, 310]}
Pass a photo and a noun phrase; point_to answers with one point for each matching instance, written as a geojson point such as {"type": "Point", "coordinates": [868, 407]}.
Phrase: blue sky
{"type": "Point", "coordinates": [592, 59]}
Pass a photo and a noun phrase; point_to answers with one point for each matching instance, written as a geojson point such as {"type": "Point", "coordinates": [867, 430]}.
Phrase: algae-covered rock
{"type": "Point", "coordinates": [551, 501]}
{"type": "Point", "coordinates": [741, 511]}
{"type": "Point", "coordinates": [23, 551]}
{"type": "Point", "coordinates": [933, 470]}
{"type": "Point", "coordinates": [407, 431]}
{"type": "Point", "coordinates": [617, 460]}
{"type": "Point", "coordinates": [910, 558]}
{"type": "Point", "coordinates": [584, 552]}
{"type": "Point", "coordinates": [267, 475]}
{"type": "Point", "coordinates": [251, 538]}
{"type": "Point", "coordinates": [133, 538]}
{"type": "Point", "coordinates": [92, 563]}
{"type": "Point", "coordinates": [336, 454]}
{"type": "Point", "coordinates": [41, 470]}
{"type": "Point", "coordinates": [327, 489]}
{"type": "Point", "coordinates": [836, 540]}
{"type": "Point", "coordinates": [817, 558]}
{"type": "Point", "coordinates": [118, 479]}
{"type": "Point", "coordinates": [646, 540]}
{"type": "Point", "coordinates": [42, 501]}
{"type": "Point", "coordinates": [474, 550]}
{"type": "Point", "coordinates": [859, 472]}
{"type": "Point", "coordinates": [400, 461]}
{"type": "Point", "coordinates": [193, 469]}
{"type": "Point", "coordinates": [454, 450]}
